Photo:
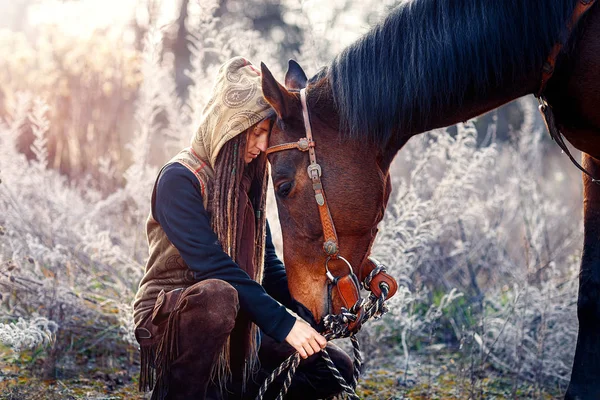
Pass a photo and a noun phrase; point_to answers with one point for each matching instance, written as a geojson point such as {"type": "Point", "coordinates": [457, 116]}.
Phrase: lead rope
{"type": "Point", "coordinates": [337, 327]}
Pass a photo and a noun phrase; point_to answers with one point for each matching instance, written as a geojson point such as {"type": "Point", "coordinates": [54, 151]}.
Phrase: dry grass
{"type": "Point", "coordinates": [485, 239]}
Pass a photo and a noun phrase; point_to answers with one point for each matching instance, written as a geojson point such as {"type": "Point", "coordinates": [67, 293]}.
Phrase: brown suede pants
{"type": "Point", "coordinates": [206, 314]}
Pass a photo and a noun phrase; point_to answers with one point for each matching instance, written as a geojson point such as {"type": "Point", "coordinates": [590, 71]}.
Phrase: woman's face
{"type": "Point", "coordinates": [258, 140]}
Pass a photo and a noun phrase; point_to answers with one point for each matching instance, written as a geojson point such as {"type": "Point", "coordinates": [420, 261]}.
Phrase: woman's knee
{"type": "Point", "coordinates": [213, 303]}
{"type": "Point", "coordinates": [342, 361]}
{"type": "Point", "coordinates": [218, 291]}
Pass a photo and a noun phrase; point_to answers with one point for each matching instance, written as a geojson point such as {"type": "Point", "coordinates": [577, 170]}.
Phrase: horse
{"type": "Point", "coordinates": [427, 65]}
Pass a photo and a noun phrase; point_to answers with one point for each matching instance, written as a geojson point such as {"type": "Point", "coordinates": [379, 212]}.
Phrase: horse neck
{"type": "Point", "coordinates": [473, 105]}
{"type": "Point", "coordinates": [441, 62]}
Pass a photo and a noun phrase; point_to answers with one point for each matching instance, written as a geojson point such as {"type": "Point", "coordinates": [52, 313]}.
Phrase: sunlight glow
{"type": "Point", "coordinates": [82, 17]}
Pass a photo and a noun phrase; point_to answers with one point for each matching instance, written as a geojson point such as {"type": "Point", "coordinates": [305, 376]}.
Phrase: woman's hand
{"type": "Point", "coordinates": [305, 339]}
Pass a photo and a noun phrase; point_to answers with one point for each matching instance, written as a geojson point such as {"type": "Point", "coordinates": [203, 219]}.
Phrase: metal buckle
{"type": "Point", "coordinates": [312, 168]}
{"type": "Point", "coordinates": [329, 274]}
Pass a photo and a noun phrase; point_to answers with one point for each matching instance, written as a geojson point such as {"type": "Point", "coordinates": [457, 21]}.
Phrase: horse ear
{"type": "Point", "coordinates": [295, 78]}
{"type": "Point", "coordinates": [278, 97]}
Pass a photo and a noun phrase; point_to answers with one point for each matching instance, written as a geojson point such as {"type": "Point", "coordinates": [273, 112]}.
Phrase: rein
{"type": "Point", "coordinates": [373, 276]}
{"type": "Point", "coordinates": [581, 8]}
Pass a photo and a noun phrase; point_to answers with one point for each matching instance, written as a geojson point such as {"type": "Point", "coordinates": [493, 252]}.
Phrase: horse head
{"type": "Point", "coordinates": [354, 178]}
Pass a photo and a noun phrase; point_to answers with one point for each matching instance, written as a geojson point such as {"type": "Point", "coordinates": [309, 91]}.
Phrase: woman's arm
{"type": "Point", "coordinates": [275, 279]}
{"type": "Point", "coordinates": [179, 210]}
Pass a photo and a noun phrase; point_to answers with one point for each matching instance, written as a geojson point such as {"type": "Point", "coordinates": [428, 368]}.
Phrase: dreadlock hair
{"type": "Point", "coordinates": [230, 168]}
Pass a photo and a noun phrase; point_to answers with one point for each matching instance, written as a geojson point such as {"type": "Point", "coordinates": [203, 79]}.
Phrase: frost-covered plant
{"type": "Point", "coordinates": [54, 261]}
{"type": "Point", "coordinates": [480, 238]}
{"type": "Point", "coordinates": [478, 220]}
{"type": "Point", "coordinates": [26, 335]}
{"type": "Point", "coordinates": [89, 83]}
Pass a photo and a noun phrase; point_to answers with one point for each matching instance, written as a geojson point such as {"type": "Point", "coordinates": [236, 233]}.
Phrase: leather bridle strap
{"type": "Point", "coordinates": [548, 70]}
{"type": "Point", "coordinates": [330, 245]}
{"type": "Point", "coordinates": [302, 145]}
{"type": "Point", "coordinates": [347, 286]}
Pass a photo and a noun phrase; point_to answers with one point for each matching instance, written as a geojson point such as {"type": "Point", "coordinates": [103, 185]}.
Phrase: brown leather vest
{"type": "Point", "coordinates": [165, 269]}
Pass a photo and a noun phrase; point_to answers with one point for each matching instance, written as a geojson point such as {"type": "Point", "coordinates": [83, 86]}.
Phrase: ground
{"type": "Point", "coordinates": [379, 384]}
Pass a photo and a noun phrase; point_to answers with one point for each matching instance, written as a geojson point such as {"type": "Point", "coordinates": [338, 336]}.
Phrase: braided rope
{"type": "Point", "coordinates": [378, 269]}
{"type": "Point", "coordinates": [336, 326]}
{"type": "Point", "coordinates": [357, 360]}
{"type": "Point", "coordinates": [349, 390]}
{"type": "Point", "coordinates": [290, 363]}
{"type": "Point", "coordinates": [289, 376]}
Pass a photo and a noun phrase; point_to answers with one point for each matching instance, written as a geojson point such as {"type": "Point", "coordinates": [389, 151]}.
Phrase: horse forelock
{"type": "Point", "coordinates": [428, 54]}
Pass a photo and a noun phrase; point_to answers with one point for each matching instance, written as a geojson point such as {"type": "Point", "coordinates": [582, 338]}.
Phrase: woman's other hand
{"type": "Point", "coordinates": [305, 339]}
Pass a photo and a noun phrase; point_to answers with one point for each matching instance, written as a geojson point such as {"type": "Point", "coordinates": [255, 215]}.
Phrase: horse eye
{"type": "Point", "coordinates": [284, 189]}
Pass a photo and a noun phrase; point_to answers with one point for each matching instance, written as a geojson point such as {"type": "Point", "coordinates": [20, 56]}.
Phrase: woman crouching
{"type": "Point", "coordinates": [206, 326]}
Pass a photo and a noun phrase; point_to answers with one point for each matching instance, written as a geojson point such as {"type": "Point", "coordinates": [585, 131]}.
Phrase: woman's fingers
{"type": "Point", "coordinates": [321, 341]}
{"type": "Point", "coordinates": [302, 352]}
{"type": "Point", "coordinates": [314, 345]}
{"type": "Point", "coordinates": [305, 339]}
{"type": "Point", "coordinates": [308, 349]}
{"type": "Point", "coordinates": [311, 346]}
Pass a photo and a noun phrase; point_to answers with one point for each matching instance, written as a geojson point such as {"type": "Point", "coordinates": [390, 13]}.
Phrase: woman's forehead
{"type": "Point", "coordinates": [265, 124]}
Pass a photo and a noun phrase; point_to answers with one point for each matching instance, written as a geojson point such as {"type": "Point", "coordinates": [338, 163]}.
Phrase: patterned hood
{"type": "Point", "coordinates": [237, 103]}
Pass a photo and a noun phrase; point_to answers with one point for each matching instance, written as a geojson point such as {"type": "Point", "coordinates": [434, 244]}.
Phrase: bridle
{"type": "Point", "coordinates": [348, 286]}
{"type": "Point", "coordinates": [355, 310]}
{"type": "Point", "coordinates": [582, 7]}
{"type": "Point", "coordinates": [372, 274]}
{"type": "Point", "coordinates": [330, 245]}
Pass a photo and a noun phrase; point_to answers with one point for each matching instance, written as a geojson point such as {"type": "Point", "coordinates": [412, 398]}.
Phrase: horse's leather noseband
{"type": "Point", "coordinates": [348, 289]}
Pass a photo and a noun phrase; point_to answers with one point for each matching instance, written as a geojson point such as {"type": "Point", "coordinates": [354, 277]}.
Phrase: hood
{"type": "Point", "coordinates": [236, 104]}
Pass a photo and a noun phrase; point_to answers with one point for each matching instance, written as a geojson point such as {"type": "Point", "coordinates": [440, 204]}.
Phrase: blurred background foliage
{"type": "Point", "coordinates": [89, 75]}
{"type": "Point", "coordinates": [483, 228]}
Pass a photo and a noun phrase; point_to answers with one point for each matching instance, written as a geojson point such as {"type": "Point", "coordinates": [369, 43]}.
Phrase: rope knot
{"type": "Point", "coordinates": [377, 270]}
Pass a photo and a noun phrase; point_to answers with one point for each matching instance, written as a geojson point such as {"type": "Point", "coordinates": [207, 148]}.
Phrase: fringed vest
{"type": "Point", "coordinates": [165, 269]}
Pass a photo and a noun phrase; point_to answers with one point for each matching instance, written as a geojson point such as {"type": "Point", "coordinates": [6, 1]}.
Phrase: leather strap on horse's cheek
{"type": "Point", "coordinates": [330, 245]}
{"type": "Point", "coordinates": [349, 294]}
{"type": "Point", "coordinates": [383, 277]}
{"type": "Point", "coordinates": [365, 269]}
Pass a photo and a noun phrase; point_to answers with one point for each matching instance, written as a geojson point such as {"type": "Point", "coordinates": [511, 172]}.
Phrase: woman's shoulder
{"type": "Point", "coordinates": [178, 176]}
{"type": "Point", "coordinates": [176, 172]}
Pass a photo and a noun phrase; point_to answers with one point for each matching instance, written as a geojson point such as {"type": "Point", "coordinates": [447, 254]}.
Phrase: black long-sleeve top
{"type": "Point", "coordinates": [179, 209]}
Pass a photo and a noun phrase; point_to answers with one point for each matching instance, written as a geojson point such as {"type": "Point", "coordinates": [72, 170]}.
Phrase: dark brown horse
{"type": "Point", "coordinates": [430, 64]}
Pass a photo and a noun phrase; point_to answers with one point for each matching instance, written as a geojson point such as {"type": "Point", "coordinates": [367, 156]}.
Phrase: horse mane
{"type": "Point", "coordinates": [427, 55]}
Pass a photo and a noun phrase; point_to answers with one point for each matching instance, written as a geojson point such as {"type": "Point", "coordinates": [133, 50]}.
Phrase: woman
{"type": "Point", "coordinates": [200, 302]}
